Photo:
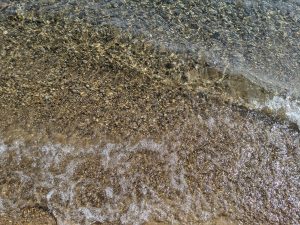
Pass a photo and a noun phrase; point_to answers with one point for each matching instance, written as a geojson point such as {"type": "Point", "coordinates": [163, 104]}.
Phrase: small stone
{"type": "Point", "coordinates": [169, 65]}
{"type": "Point", "coordinates": [83, 94]}
{"type": "Point", "coordinates": [216, 35]}
{"type": "Point", "coordinates": [194, 26]}
{"type": "Point", "coordinates": [3, 53]}
{"type": "Point", "coordinates": [184, 78]}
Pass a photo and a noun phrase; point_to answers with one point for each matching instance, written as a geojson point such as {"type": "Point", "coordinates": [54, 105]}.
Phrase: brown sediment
{"type": "Point", "coordinates": [29, 216]}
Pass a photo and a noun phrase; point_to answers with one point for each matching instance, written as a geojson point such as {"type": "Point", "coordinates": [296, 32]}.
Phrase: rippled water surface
{"type": "Point", "coordinates": [151, 112]}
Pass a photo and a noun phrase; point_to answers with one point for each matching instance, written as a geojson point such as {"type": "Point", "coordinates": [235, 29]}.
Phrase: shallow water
{"type": "Point", "coordinates": [227, 165]}
{"type": "Point", "coordinates": [257, 39]}
{"type": "Point", "coordinates": [160, 112]}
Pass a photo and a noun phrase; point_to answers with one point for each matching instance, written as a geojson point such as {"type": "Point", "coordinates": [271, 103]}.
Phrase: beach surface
{"type": "Point", "coordinates": [106, 119]}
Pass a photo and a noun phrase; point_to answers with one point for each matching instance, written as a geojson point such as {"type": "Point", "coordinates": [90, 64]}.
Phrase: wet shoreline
{"type": "Point", "coordinates": [101, 126]}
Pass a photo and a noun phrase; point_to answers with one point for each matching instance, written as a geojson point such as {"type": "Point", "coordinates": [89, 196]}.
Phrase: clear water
{"type": "Point", "coordinates": [222, 162]}
{"type": "Point", "coordinates": [243, 168]}
{"type": "Point", "coordinates": [259, 39]}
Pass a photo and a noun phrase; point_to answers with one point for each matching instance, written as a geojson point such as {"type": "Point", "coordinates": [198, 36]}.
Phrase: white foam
{"type": "Point", "coordinates": [109, 192]}
{"type": "Point", "coordinates": [136, 214]}
{"type": "Point", "coordinates": [148, 144]}
{"type": "Point", "coordinates": [64, 186]}
{"type": "Point", "coordinates": [3, 147]}
{"type": "Point", "coordinates": [106, 154]}
{"type": "Point", "coordinates": [211, 123]}
{"type": "Point", "coordinates": [49, 195]}
{"type": "Point", "coordinates": [290, 107]}
{"type": "Point", "coordinates": [92, 214]}
{"type": "Point", "coordinates": [2, 208]}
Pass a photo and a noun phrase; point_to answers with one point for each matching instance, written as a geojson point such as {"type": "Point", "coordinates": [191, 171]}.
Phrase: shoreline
{"type": "Point", "coordinates": [103, 126]}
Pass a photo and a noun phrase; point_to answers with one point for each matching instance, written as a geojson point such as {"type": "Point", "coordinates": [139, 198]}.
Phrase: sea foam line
{"type": "Point", "coordinates": [277, 103]}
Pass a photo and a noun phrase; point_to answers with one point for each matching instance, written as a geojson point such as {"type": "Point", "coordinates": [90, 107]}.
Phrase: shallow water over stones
{"type": "Point", "coordinates": [101, 123]}
{"type": "Point", "coordinates": [221, 162]}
